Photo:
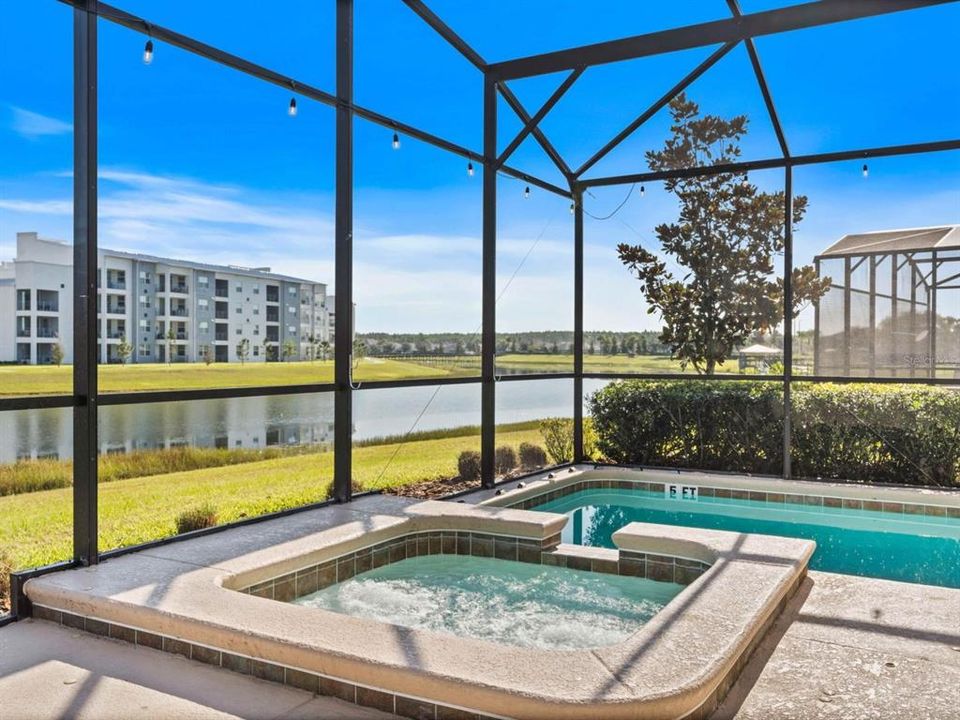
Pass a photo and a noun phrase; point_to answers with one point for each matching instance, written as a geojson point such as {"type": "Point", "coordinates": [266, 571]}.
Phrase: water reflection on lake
{"type": "Point", "coordinates": [259, 422]}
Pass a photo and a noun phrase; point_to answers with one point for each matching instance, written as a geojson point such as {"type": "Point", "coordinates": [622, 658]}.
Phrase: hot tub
{"type": "Point", "coordinates": [229, 599]}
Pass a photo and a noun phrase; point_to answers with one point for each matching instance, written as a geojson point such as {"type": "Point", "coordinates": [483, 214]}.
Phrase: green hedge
{"type": "Point", "coordinates": [906, 434]}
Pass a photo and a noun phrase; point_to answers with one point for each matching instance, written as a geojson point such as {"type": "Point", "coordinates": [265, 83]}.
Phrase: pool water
{"type": "Point", "coordinates": [894, 546]}
{"type": "Point", "coordinates": [502, 601]}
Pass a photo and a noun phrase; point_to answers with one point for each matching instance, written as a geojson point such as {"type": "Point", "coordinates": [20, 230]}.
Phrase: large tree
{"type": "Point", "coordinates": [725, 240]}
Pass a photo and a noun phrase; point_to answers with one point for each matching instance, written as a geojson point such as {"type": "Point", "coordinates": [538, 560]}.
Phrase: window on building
{"type": "Point", "coordinates": [23, 299]}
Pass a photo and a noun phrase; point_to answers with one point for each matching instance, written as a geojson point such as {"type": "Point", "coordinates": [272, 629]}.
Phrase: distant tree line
{"type": "Point", "coordinates": [549, 342]}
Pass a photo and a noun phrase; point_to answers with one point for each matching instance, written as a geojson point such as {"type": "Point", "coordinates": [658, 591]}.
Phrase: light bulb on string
{"type": "Point", "coordinates": [526, 193]}
{"type": "Point", "coordinates": [292, 109]}
{"type": "Point", "coordinates": [642, 191]}
{"type": "Point", "coordinates": [148, 52]}
{"type": "Point", "coordinates": [865, 171]}
{"type": "Point", "coordinates": [396, 141]}
{"type": "Point", "coordinates": [572, 208]}
{"type": "Point", "coordinates": [470, 169]}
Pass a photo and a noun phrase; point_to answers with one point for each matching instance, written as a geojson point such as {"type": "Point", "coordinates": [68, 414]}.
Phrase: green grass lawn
{"type": "Point", "coordinates": [35, 528]}
{"type": "Point", "coordinates": [48, 380]}
{"type": "Point", "coordinates": [51, 380]}
{"type": "Point", "coordinates": [593, 363]}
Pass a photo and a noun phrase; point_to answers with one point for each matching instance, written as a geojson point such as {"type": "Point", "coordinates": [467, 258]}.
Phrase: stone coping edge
{"type": "Point", "coordinates": [671, 667]}
{"type": "Point", "coordinates": [907, 501]}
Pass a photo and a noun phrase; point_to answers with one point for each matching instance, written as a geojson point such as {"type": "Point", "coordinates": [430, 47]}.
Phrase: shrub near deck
{"type": "Point", "coordinates": [858, 432]}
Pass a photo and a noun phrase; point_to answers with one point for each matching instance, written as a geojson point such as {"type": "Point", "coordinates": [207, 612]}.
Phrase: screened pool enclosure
{"type": "Point", "coordinates": [889, 314]}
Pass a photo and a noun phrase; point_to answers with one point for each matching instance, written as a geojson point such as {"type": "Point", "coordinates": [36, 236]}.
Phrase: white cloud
{"type": "Point", "coordinates": [33, 125]}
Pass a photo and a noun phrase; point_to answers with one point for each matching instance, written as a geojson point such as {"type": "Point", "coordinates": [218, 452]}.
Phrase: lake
{"type": "Point", "coordinates": [259, 422]}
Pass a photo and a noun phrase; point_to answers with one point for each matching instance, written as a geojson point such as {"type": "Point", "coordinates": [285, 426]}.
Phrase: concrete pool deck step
{"type": "Point", "coordinates": [55, 673]}
{"type": "Point", "coordinates": [183, 597]}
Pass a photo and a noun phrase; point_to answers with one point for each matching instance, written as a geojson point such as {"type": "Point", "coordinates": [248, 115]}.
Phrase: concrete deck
{"type": "Point", "coordinates": [825, 658]}
{"type": "Point", "coordinates": [851, 647]}
{"type": "Point", "coordinates": [54, 673]}
{"type": "Point", "coordinates": [178, 596]}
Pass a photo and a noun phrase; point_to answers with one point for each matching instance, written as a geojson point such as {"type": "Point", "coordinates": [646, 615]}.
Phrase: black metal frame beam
{"type": "Point", "coordinates": [774, 163]}
{"type": "Point", "coordinates": [787, 319]}
{"type": "Point", "coordinates": [656, 107]}
{"type": "Point", "coordinates": [343, 261]}
{"type": "Point", "coordinates": [447, 33]}
{"type": "Point", "coordinates": [85, 339]}
{"type": "Point", "coordinates": [578, 452]}
{"type": "Point", "coordinates": [734, 6]}
{"type": "Point", "coordinates": [171, 37]}
{"type": "Point", "coordinates": [538, 134]}
{"type": "Point", "coordinates": [770, 22]}
{"type": "Point", "coordinates": [488, 343]}
{"type": "Point", "coordinates": [534, 122]}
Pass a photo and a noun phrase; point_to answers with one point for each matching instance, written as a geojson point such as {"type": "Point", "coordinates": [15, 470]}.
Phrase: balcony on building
{"type": "Point", "coordinates": [23, 300]}
{"type": "Point", "coordinates": [116, 280]}
{"type": "Point", "coordinates": [116, 305]}
{"type": "Point", "coordinates": [45, 353]}
{"type": "Point", "coordinates": [23, 326]}
{"type": "Point", "coordinates": [273, 314]}
{"type": "Point", "coordinates": [23, 353]}
{"type": "Point", "coordinates": [116, 329]}
{"type": "Point", "coordinates": [273, 293]}
{"type": "Point", "coordinates": [48, 327]}
{"type": "Point", "coordinates": [178, 307]}
{"type": "Point", "coordinates": [48, 301]}
{"type": "Point", "coordinates": [221, 311]}
{"type": "Point", "coordinates": [178, 283]}
{"type": "Point", "coordinates": [222, 289]}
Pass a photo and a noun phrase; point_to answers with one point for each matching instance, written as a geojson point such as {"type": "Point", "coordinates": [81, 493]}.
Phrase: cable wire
{"type": "Point", "coordinates": [616, 209]}
{"type": "Point", "coordinates": [413, 427]}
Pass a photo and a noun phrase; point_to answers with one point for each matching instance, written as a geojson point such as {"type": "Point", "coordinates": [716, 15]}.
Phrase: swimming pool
{"type": "Point", "coordinates": [895, 546]}
{"type": "Point", "coordinates": [503, 601]}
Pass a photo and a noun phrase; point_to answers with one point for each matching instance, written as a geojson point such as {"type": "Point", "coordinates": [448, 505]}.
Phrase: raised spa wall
{"type": "Point", "coordinates": [308, 580]}
{"type": "Point", "coordinates": [204, 599]}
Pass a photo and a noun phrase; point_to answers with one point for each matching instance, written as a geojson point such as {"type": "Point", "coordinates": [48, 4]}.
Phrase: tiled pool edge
{"type": "Point", "coordinates": [367, 696]}
{"type": "Point", "coordinates": [559, 487]}
{"type": "Point", "coordinates": [295, 584]}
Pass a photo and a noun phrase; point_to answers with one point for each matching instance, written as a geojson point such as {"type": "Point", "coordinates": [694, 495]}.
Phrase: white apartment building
{"type": "Point", "coordinates": [165, 309]}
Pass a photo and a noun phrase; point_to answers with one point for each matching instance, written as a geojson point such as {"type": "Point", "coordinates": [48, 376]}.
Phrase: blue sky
{"type": "Point", "coordinates": [202, 162]}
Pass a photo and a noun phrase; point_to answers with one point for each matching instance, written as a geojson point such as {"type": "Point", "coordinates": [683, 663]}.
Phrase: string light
{"type": "Point", "coordinates": [526, 193]}
{"type": "Point", "coordinates": [148, 52]}
{"type": "Point", "coordinates": [572, 207]}
{"type": "Point", "coordinates": [292, 110]}
{"type": "Point", "coordinates": [470, 169]}
{"type": "Point", "coordinates": [642, 191]}
{"type": "Point", "coordinates": [866, 170]}
{"type": "Point", "coordinates": [396, 141]}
